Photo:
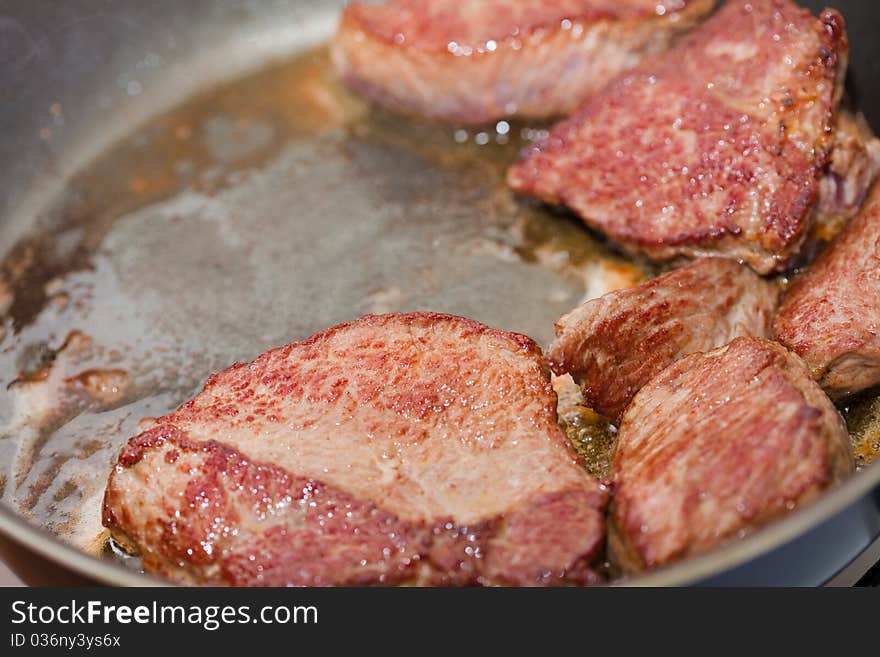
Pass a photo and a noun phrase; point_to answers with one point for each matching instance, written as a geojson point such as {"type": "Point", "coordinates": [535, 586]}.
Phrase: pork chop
{"type": "Point", "coordinates": [473, 61]}
{"type": "Point", "coordinates": [831, 314]}
{"type": "Point", "coordinates": [715, 147]}
{"type": "Point", "coordinates": [613, 345]}
{"type": "Point", "coordinates": [416, 448]}
{"type": "Point", "coordinates": [717, 445]}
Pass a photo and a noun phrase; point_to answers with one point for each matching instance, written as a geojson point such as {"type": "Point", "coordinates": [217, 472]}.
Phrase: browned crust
{"type": "Point", "coordinates": [205, 533]}
{"type": "Point", "coordinates": [203, 511]}
{"type": "Point", "coordinates": [551, 169]}
{"type": "Point", "coordinates": [525, 75]}
{"type": "Point", "coordinates": [717, 445]}
{"type": "Point", "coordinates": [613, 345]}
{"type": "Point", "coordinates": [831, 314]}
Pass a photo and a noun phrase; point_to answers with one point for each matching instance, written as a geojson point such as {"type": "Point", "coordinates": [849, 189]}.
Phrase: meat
{"type": "Point", "coordinates": [613, 345]}
{"type": "Point", "coordinates": [831, 314]}
{"type": "Point", "coordinates": [717, 445]}
{"type": "Point", "coordinates": [416, 448]}
{"type": "Point", "coordinates": [473, 61]}
{"type": "Point", "coordinates": [854, 165]}
{"type": "Point", "coordinates": [715, 147]}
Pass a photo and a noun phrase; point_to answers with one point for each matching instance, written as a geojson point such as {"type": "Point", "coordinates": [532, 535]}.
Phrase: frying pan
{"type": "Point", "coordinates": [145, 246]}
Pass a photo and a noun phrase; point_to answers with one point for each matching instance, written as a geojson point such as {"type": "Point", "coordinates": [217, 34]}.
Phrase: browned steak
{"type": "Point", "coordinates": [831, 314]}
{"type": "Point", "coordinates": [415, 448]}
{"type": "Point", "coordinates": [472, 61]}
{"type": "Point", "coordinates": [613, 345]}
{"type": "Point", "coordinates": [716, 445]}
{"type": "Point", "coordinates": [715, 147]}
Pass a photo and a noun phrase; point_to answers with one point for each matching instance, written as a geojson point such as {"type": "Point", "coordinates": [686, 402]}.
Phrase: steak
{"type": "Point", "coordinates": [854, 165]}
{"type": "Point", "coordinates": [717, 445]}
{"type": "Point", "coordinates": [831, 314]}
{"type": "Point", "coordinates": [395, 449]}
{"type": "Point", "coordinates": [473, 61]}
{"type": "Point", "coordinates": [613, 345]}
{"type": "Point", "coordinates": [715, 147]}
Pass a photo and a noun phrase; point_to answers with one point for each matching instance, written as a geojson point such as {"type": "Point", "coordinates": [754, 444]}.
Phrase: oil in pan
{"type": "Point", "coordinates": [251, 216]}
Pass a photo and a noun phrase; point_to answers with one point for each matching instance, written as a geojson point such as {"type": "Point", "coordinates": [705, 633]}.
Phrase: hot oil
{"type": "Point", "coordinates": [863, 420]}
{"type": "Point", "coordinates": [220, 132]}
{"type": "Point", "coordinates": [253, 215]}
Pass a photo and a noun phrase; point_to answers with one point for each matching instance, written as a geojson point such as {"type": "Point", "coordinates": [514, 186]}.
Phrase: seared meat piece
{"type": "Point", "coordinates": [715, 147]}
{"type": "Point", "coordinates": [414, 448]}
{"type": "Point", "coordinates": [473, 61]}
{"type": "Point", "coordinates": [831, 314]}
{"type": "Point", "coordinates": [716, 445]}
{"type": "Point", "coordinates": [854, 165]}
{"type": "Point", "coordinates": [613, 345]}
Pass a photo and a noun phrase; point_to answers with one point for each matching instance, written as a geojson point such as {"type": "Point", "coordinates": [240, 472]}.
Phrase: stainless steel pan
{"type": "Point", "coordinates": [158, 222]}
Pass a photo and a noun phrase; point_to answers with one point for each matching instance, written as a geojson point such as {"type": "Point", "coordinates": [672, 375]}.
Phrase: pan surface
{"type": "Point", "coordinates": [187, 186]}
